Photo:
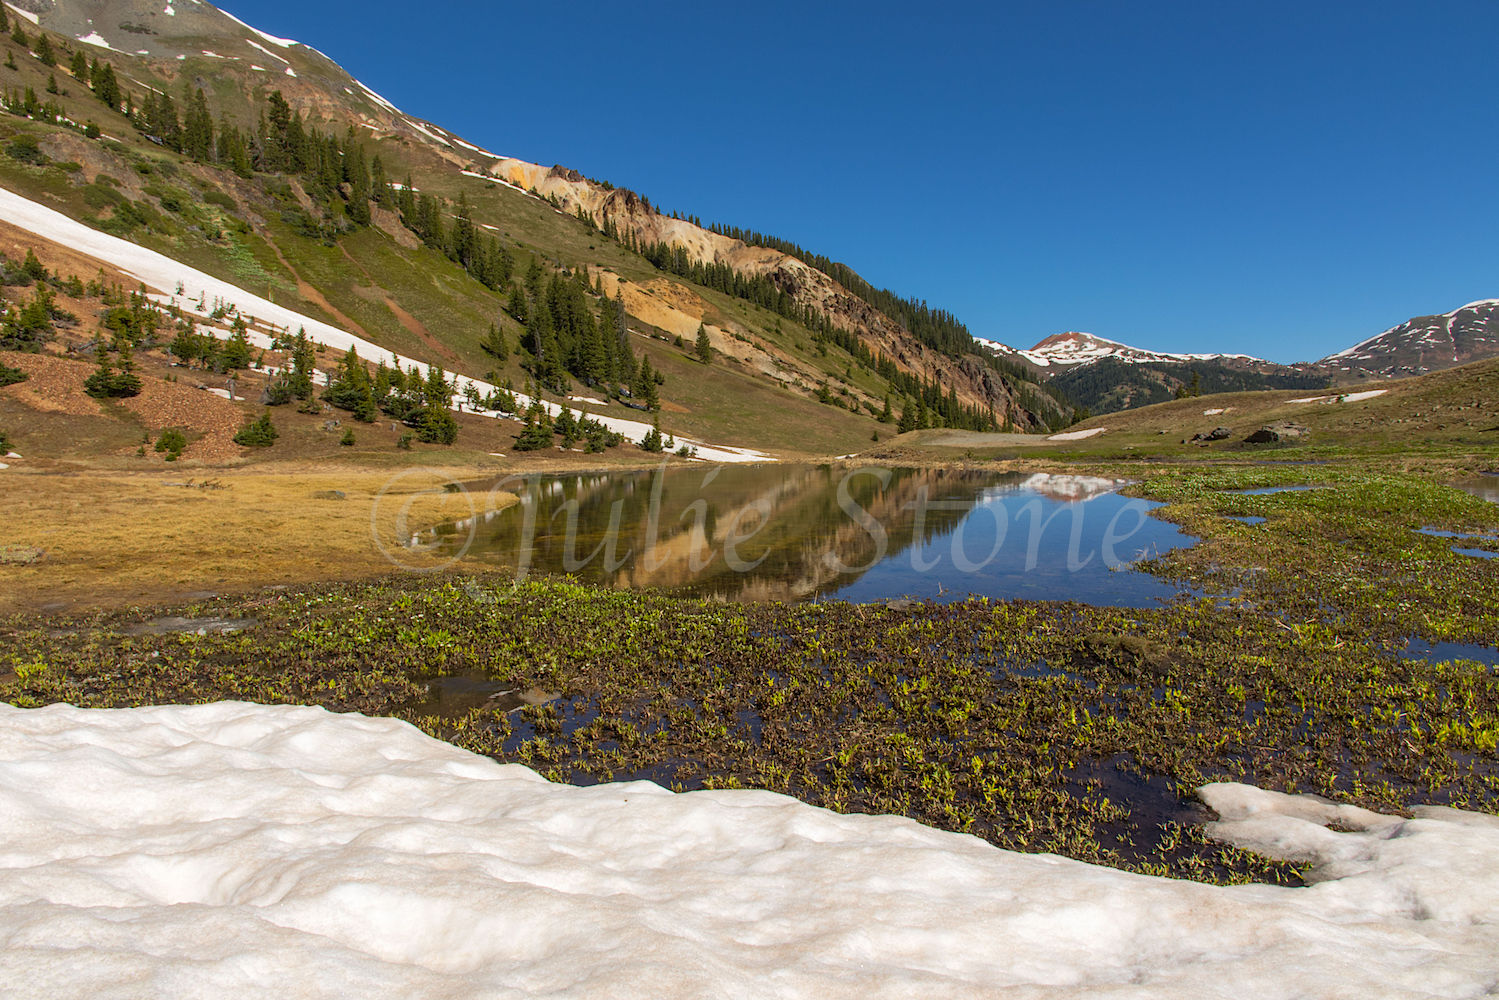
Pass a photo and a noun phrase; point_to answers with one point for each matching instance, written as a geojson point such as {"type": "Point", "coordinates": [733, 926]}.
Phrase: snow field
{"type": "Point", "coordinates": [159, 271]}
{"type": "Point", "coordinates": [236, 850]}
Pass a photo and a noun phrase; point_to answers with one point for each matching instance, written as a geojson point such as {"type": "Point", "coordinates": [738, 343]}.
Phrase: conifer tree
{"type": "Point", "coordinates": [78, 67]}
{"type": "Point", "coordinates": [887, 416]}
{"type": "Point", "coordinates": [704, 346]}
{"type": "Point", "coordinates": [19, 37]}
{"type": "Point", "coordinates": [494, 344]}
{"type": "Point", "coordinates": [44, 50]}
{"type": "Point", "coordinates": [646, 378]}
{"type": "Point", "coordinates": [258, 433]}
{"type": "Point", "coordinates": [4, 20]}
{"type": "Point", "coordinates": [652, 442]}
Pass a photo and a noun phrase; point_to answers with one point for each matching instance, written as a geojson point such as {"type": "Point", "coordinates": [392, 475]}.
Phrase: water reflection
{"type": "Point", "coordinates": [1486, 487]}
{"type": "Point", "coordinates": [797, 532]}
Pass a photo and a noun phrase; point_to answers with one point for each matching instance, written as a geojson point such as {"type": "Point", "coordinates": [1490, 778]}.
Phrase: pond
{"type": "Point", "coordinates": [1485, 486]}
{"type": "Point", "coordinates": [792, 533]}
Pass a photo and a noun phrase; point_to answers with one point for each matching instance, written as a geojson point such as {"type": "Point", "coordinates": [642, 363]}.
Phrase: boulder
{"type": "Point", "coordinates": [1282, 431]}
{"type": "Point", "coordinates": [1216, 434]}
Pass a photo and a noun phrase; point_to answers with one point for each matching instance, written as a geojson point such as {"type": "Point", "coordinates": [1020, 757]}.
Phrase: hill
{"type": "Point", "coordinates": [1423, 344]}
{"type": "Point", "coordinates": [259, 161]}
{"type": "Point", "coordinates": [1110, 384]}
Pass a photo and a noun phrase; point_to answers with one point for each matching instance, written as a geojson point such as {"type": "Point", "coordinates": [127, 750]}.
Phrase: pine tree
{"type": "Point", "coordinates": [44, 50]}
{"type": "Point", "coordinates": [4, 20]}
{"type": "Point", "coordinates": [907, 418]}
{"type": "Point", "coordinates": [52, 84]}
{"type": "Point", "coordinates": [647, 385]}
{"type": "Point", "coordinates": [652, 441]}
{"type": "Point", "coordinates": [258, 433]}
{"type": "Point", "coordinates": [495, 345]}
{"type": "Point", "coordinates": [78, 67]}
{"type": "Point", "coordinates": [887, 416]}
{"type": "Point", "coordinates": [19, 37]}
{"type": "Point", "coordinates": [704, 346]}
{"type": "Point", "coordinates": [537, 434]}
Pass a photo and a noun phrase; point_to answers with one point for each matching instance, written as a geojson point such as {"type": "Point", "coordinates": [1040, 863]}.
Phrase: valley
{"type": "Point", "coordinates": [425, 572]}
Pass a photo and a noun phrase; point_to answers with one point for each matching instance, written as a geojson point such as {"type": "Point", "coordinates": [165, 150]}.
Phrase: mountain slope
{"type": "Point", "coordinates": [1423, 344]}
{"type": "Point", "coordinates": [286, 233]}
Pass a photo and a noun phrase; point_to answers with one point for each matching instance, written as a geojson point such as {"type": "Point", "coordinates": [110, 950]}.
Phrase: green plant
{"type": "Point", "coordinates": [348, 439]}
{"type": "Point", "coordinates": [10, 376]}
{"type": "Point", "coordinates": [404, 441]}
{"type": "Point", "coordinates": [171, 442]}
{"type": "Point", "coordinates": [258, 433]}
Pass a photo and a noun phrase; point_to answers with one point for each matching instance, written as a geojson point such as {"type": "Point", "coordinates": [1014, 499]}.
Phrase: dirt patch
{"type": "Point", "coordinates": [389, 223]}
{"type": "Point", "coordinates": [55, 386]}
{"type": "Point", "coordinates": [413, 324]}
{"type": "Point", "coordinates": [317, 298]}
{"type": "Point", "coordinates": [182, 404]}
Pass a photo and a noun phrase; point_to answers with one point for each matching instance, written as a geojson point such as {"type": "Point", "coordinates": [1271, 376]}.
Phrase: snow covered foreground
{"type": "Point", "coordinates": [243, 851]}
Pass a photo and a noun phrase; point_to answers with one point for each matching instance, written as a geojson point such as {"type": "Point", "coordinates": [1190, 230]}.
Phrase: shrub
{"type": "Point", "coordinates": [258, 433]}
{"type": "Point", "coordinates": [222, 200]}
{"type": "Point", "coordinates": [25, 149]}
{"type": "Point", "coordinates": [348, 439]}
{"type": "Point", "coordinates": [10, 376]}
{"type": "Point", "coordinates": [172, 442]}
{"type": "Point", "coordinates": [404, 442]}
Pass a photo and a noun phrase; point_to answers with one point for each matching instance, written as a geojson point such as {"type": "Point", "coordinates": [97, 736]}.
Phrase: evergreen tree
{"type": "Point", "coordinates": [652, 441]}
{"type": "Point", "coordinates": [437, 424]}
{"type": "Point", "coordinates": [44, 50]}
{"type": "Point", "coordinates": [197, 131]}
{"type": "Point", "coordinates": [516, 305]}
{"type": "Point", "coordinates": [494, 344]}
{"type": "Point", "coordinates": [704, 346]}
{"type": "Point", "coordinates": [887, 416]}
{"type": "Point", "coordinates": [258, 433]}
{"type": "Point", "coordinates": [78, 67]}
{"type": "Point", "coordinates": [4, 20]}
{"type": "Point", "coordinates": [907, 418]}
{"type": "Point", "coordinates": [19, 37]}
{"type": "Point", "coordinates": [537, 433]}
{"type": "Point", "coordinates": [646, 378]}
{"type": "Point", "coordinates": [52, 84]}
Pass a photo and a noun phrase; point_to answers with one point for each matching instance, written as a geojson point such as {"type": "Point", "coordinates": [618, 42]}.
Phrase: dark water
{"type": "Point", "coordinates": [804, 532]}
{"type": "Point", "coordinates": [1265, 490]}
{"type": "Point", "coordinates": [1248, 519]}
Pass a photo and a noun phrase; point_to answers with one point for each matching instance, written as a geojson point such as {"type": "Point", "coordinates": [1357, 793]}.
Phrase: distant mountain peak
{"type": "Point", "coordinates": [1424, 344]}
{"type": "Point", "coordinates": [1063, 351]}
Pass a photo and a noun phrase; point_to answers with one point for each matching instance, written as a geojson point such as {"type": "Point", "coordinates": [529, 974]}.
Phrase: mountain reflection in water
{"type": "Point", "coordinates": [777, 532]}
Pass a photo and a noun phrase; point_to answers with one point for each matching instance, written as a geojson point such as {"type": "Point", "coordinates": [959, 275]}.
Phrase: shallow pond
{"type": "Point", "coordinates": [1485, 486]}
{"type": "Point", "coordinates": [805, 532]}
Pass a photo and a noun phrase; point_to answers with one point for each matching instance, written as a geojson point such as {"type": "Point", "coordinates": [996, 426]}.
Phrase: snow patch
{"type": "Point", "coordinates": [94, 38]}
{"type": "Point", "coordinates": [1077, 435]}
{"type": "Point", "coordinates": [169, 12]}
{"type": "Point", "coordinates": [290, 71]}
{"type": "Point", "coordinates": [378, 99]}
{"type": "Point", "coordinates": [284, 43]}
{"type": "Point", "coordinates": [28, 15]}
{"type": "Point", "coordinates": [249, 851]}
{"type": "Point", "coordinates": [267, 51]}
{"type": "Point", "coordinates": [428, 132]}
{"type": "Point", "coordinates": [258, 69]}
{"type": "Point", "coordinates": [469, 145]}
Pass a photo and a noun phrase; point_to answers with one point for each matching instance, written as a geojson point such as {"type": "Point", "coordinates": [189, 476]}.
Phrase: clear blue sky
{"type": "Point", "coordinates": [1281, 179]}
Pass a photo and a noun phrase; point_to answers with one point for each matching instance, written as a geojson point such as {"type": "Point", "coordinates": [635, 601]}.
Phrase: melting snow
{"type": "Point", "coordinates": [378, 98]}
{"type": "Point", "coordinates": [169, 11]}
{"type": "Point", "coordinates": [248, 851]}
{"type": "Point", "coordinates": [94, 38]}
{"type": "Point", "coordinates": [267, 51]}
{"type": "Point", "coordinates": [427, 132]}
{"type": "Point", "coordinates": [258, 69]}
{"type": "Point", "coordinates": [28, 15]}
{"type": "Point", "coordinates": [283, 42]}
{"type": "Point", "coordinates": [1077, 435]}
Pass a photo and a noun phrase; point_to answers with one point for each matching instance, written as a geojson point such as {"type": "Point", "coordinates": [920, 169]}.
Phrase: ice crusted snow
{"type": "Point", "coordinates": [246, 852]}
{"type": "Point", "coordinates": [285, 43]}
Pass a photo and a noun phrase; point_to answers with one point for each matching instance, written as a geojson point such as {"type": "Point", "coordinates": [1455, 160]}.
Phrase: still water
{"type": "Point", "coordinates": [747, 533]}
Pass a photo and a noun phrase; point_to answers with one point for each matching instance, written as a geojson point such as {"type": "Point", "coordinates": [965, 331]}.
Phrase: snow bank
{"type": "Point", "coordinates": [160, 271]}
{"type": "Point", "coordinates": [1077, 435]}
{"type": "Point", "coordinates": [244, 851]}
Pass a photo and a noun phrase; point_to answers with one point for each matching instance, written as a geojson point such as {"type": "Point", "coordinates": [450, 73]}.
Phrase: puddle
{"type": "Point", "coordinates": [1420, 649]}
{"type": "Point", "coordinates": [458, 694]}
{"type": "Point", "coordinates": [1477, 553]}
{"type": "Point", "coordinates": [1266, 490]}
{"type": "Point", "coordinates": [1438, 533]}
{"type": "Point", "coordinates": [1485, 487]}
{"type": "Point", "coordinates": [186, 626]}
{"type": "Point", "coordinates": [1245, 520]}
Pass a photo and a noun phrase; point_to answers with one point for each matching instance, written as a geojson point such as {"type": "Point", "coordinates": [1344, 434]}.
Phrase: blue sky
{"type": "Point", "coordinates": [1281, 179]}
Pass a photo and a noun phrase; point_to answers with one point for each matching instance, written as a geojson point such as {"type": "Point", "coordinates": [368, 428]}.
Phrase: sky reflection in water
{"type": "Point", "coordinates": [802, 532]}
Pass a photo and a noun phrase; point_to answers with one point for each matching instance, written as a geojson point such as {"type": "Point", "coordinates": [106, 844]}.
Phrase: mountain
{"type": "Point", "coordinates": [259, 160]}
{"type": "Point", "coordinates": [1067, 350]}
{"type": "Point", "coordinates": [1421, 345]}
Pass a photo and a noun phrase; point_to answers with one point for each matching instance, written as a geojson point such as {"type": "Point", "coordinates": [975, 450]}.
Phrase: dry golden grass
{"type": "Point", "coordinates": [112, 540]}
